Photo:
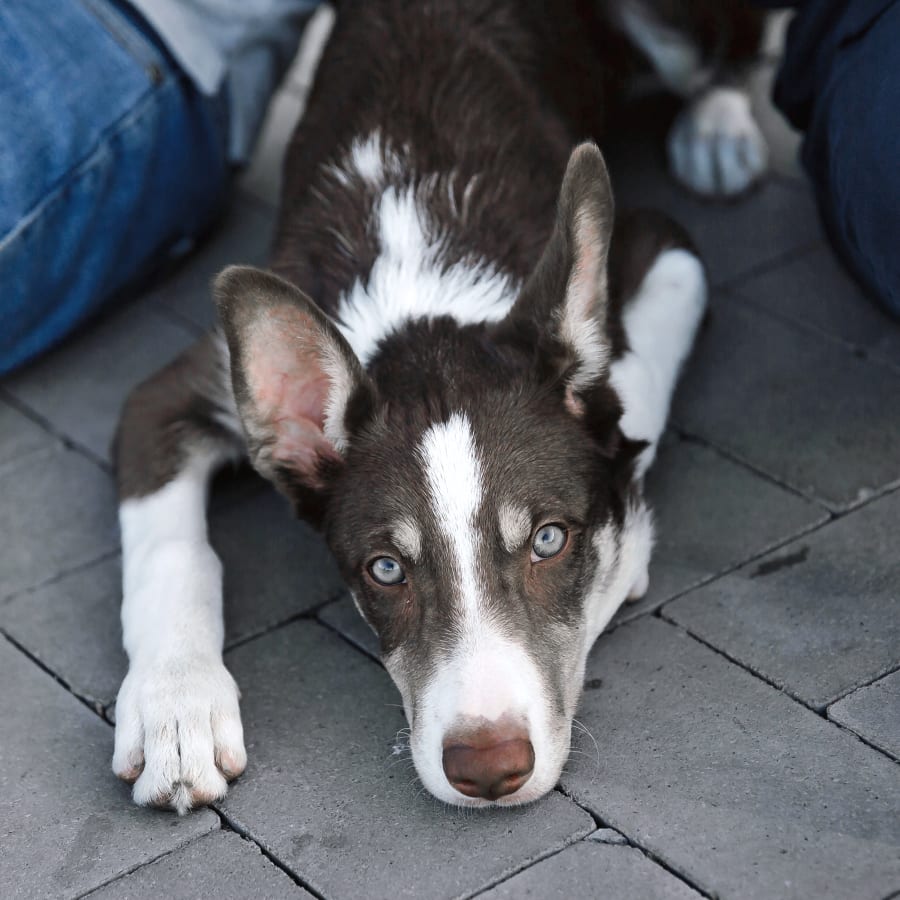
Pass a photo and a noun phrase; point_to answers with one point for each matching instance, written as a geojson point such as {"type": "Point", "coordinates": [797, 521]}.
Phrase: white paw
{"type": "Point", "coordinates": [716, 147]}
{"type": "Point", "coordinates": [178, 732]}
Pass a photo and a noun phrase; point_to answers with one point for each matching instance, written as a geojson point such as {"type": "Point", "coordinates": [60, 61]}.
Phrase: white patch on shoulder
{"type": "Point", "coordinates": [674, 56]}
{"type": "Point", "coordinates": [661, 321]}
{"type": "Point", "coordinates": [408, 279]}
{"type": "Point", "coordinates": [715, 146]}
{"type": "Point", "coordinates": [453, 474]}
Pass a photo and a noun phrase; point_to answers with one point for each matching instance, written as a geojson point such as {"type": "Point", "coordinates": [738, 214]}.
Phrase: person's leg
{"type": "Point", "coordinates": [109, 159]}
{"type": "Point", "coordinates": [851, 153]}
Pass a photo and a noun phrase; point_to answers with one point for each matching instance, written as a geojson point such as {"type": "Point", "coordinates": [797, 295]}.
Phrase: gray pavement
{"type": "Point", "coordinates": [746, 713]}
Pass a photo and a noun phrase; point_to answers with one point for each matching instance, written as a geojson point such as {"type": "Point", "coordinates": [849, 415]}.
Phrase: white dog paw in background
{"type": "Point", "coordinates": [715, 147]}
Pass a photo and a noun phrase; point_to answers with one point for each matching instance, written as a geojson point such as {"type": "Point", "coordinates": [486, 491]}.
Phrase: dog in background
{"type": "Point", "coordinates": [459, 368]}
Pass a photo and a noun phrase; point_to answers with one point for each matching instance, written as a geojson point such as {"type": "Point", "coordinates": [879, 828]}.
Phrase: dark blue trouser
{"type": "Point", "coordinates": [840, 83]}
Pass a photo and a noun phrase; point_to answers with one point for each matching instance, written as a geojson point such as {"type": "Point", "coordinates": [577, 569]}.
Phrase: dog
{"type": "Point", "coordinates": [458, 367]}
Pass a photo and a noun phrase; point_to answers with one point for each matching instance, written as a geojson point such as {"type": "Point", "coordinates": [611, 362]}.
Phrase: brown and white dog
{"type": "Point", "coordinates": [460, 372]}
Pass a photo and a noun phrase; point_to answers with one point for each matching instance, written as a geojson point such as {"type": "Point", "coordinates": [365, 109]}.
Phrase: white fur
{"type": "Point", "coordinates": [673, 55]}
{"type": "Point", "coordinates": [581, 328]}
{"type": "Point", "coordinates": [661, 321]}
{"type": "Point", "coordinates": [177, 710]}
{"type": "Point", "coordinates": [515, 526]}
{"type": "Point", "coordinates": [453, 474]}
{"type": "Point", "coordinates": [486, 676]}
{"type": "Point", "coordinates": [715, 146]}
{"type": "Point", "coordinates": [621, 571]}
{"type": "Point", "coordinates": [408, 279]}
{"type": "Point", "coordinates": [408, 538]}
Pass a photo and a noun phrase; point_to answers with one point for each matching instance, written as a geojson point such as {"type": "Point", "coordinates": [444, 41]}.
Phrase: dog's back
{"type": "Point", "coordinates": [472, 107]}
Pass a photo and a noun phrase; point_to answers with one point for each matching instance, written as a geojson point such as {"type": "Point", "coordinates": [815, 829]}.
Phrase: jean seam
{"type": "Point", "coordinates": [130, 39]}
{"type": "Point", "coordinates": [120, 127]}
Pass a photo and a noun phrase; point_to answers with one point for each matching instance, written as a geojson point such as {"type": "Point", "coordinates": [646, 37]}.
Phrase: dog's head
{"type": "Point", "coordinates": [474, 487]}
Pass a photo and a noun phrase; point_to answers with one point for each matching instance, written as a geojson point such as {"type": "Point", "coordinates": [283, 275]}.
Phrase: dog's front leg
{"type": "Point", "coordinates": [178, 729]}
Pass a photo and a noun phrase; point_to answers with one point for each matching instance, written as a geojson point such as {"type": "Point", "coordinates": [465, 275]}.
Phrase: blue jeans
{"type": "Point", "coordinates": [840, 84]}
{"type": "Point", "coordinates": [109, 161]}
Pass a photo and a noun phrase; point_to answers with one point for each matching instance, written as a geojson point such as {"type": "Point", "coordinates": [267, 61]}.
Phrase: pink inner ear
{"type": "Point", "coordinates": [290, 388]}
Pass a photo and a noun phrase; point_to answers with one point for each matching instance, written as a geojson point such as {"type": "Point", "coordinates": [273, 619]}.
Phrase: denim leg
{"type": "Point", "coordinates": [851, 151]}
{"type": "Point", "coordinates": [108, 159]}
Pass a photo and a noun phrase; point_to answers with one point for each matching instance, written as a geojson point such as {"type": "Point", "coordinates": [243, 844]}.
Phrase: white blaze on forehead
{"type": "Point", "coordinates": [453, 474]}
{"type": "Point", "coordinates": [515, 525]}
{"type": "Point", "coordinates": [408, 538]}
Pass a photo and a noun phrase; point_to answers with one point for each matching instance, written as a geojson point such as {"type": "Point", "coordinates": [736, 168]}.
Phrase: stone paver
{"type": "Point", "coordinates": [729, 235]}
{"type": "Point", "coordinates": [66, 824]}
{"type": "Point", "coordinates": [244, 237]}
{"type": "Point", "coordinates": [80, 388]}
{"type": "Point", "coordinates": [344, 618]}
{"type": "Point", "coordinates": [221, 864]}
{"type": "Point", "coordinates": [797, 406]}
{"type": "Point", "coordinates": [56, 512]}
{"type": "Point", "coordinates": [275, 568]}
{"type": "Point", "coordinates": [816, 291]}
{"type": "Point", "coordinates": [711, 515]}
{"type": "Point", "coordinates": [873, 712]}
{"type": "Point", "coordinates": [589, 869]}
{"type": "Point", "coordinates": [727, 780]}
{"type": "Point", "coordinates": [818, 617]}
{"type": "Point", "coordinates": [72, 627]}
{"type": "Point", "coordinates": [324, 793]}
{"type": "Point", "coordinates": [19, 435]}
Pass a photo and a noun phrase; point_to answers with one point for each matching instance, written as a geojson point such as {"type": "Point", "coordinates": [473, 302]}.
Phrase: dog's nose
{"type": "Point", "coordinates": [488, 763]}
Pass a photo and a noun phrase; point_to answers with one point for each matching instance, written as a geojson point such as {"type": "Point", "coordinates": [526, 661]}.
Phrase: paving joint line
{"type": "Point", "coordinates": [691, 437]}
{"type": "Point", "coordinates": [310, 614]}
{"type": "Point", "coordinates": [631, 842]}
{"type": "Point", "coordinates": [235, 826]}
{"type": "Point", "coordinates": [502, 879]}
{"type": "Point", "coordinates": [894, 667]}
{"type": "Point", "coordinates": [59, 576]}
{"type": "Point", "coordinates": [722, 573]}
{"type": "Point", "coordinates": [835, 512]}
{"type": "Point", "coordinates": [139, 866]}
{"type": "Point", "coordinates": [347, 640]}
{"type": "Point", "coordinates": [66, 440]}
{"type": "Point", "coordinates": [863, 740]}
{"type": "Point", "coordinates": [821, 713]}
{"type": "Point", "coordinates": [736, 292]}
{"type": "Point", "coordinates": [760, 268]}
{"type": "Point", "coordinates": [94, 706]}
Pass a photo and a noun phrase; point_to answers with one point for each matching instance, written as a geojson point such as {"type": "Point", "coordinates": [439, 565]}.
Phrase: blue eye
{"type": "Point", "coordinates": [548, 541]}
{"type": "Point", "coordinates": [387, 571]}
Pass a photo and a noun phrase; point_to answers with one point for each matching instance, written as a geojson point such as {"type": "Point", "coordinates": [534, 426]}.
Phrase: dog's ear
{"type": "Point", "coordinates": [298, 385]}
{"type": "Point", "coordinates": [562, 309]}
